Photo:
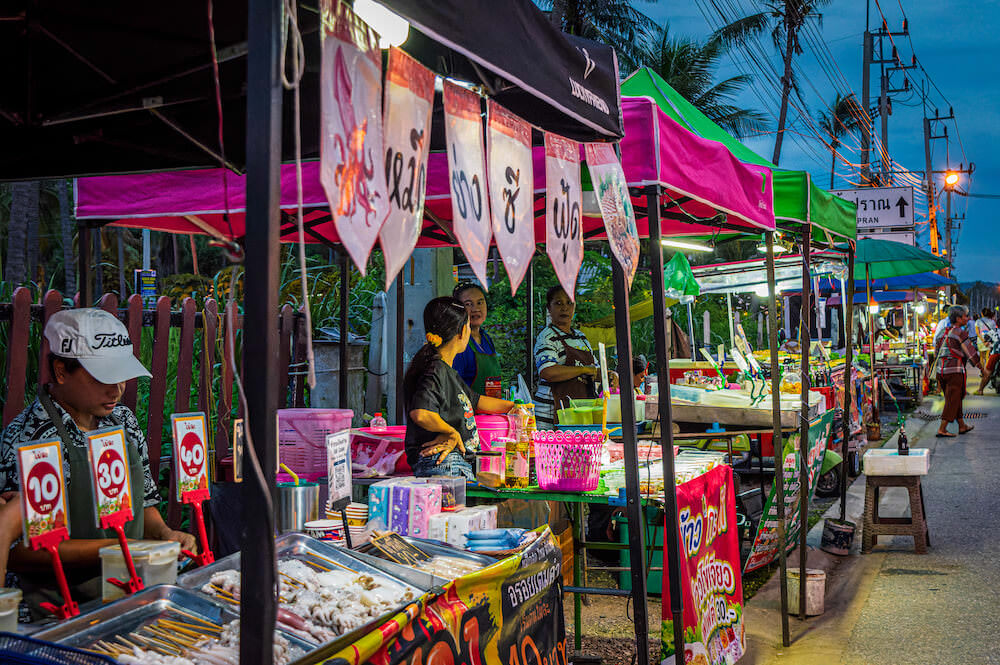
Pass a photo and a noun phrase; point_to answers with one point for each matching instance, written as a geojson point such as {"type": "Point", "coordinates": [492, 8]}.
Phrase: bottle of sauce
{"type": "Point", "coordinates": [902, 443]}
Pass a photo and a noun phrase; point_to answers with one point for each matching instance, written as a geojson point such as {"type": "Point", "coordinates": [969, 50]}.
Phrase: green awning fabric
{"type": "Point", "coordinates": [796, 199]}
{"type": "Point", "coordinates": [881, 259]}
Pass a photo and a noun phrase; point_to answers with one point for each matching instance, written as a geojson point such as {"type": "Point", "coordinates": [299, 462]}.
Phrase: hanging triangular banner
{"type": "Point", "coordinates": [611, 189]}
{"type": "Point", "coordinates": [463, 123]}
{"type": "Point", "coordinates": [511, 190]}
{"type": "Point", "coordinates": [409, 100]}
{"type": "Point", "coordinates": [351, 129]}
{"type": "Point", "coordinates": [563, 208]}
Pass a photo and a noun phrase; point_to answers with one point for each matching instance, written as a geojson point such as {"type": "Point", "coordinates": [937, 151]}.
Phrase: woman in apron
{"type": "Point", "coordinates": [478, 365]}
{"type": "Point", "coordinates": [565, 361]}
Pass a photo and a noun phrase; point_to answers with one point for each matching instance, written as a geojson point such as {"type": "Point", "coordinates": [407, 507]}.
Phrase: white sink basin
{"type": "Point", "coordinates": [888, 462]}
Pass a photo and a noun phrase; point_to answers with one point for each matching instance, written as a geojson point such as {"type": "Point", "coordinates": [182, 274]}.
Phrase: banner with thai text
{"type": "Point", "coordinates": [563, 210]}
{"type": "Point", "coordinates": [351, 129]}
{"type": "Point", "coordinates": [611, 190]}
{"type": "Point", "coordinates": [470, 203]}
{"type": "Point", "coordinates": [511, 190]}
{"type": "Point", "coordinates": [710, 564]}
{"type": "Point", "coordinates": [409, 100]}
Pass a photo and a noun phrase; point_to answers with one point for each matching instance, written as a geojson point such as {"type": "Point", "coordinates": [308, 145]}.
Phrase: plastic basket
{"type": "Point", "coordinates": [302, 438]}
{"type": "Point", "coordinates": [28, 651]}
{"type": "Point", "coordinates": [568, 467]}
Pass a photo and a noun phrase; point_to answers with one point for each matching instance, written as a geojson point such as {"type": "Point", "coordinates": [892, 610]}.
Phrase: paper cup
{"type": "Point", "coordinates": [324, 529]}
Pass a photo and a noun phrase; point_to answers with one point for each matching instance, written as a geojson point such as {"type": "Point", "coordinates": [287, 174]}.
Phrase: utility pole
{"type": "Point", "coordinates": [932, 205]}
{"type": "Point", "coordinates": [866, 81]}
{"type": "Point", "coordinates": [884, 106]}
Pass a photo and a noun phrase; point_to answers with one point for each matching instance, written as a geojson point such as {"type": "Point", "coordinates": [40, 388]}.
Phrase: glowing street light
{"type": "Point", "coordinates": [950, 179]}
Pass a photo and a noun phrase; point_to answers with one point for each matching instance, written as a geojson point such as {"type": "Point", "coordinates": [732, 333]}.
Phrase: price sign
{"type": "Point", "coordinates": [40, 467]}
{"type": "Point", "coordinates": [338, 468]}
{"type": "Point", "coordinates": [190, 456]}
{"type": "Point", "coordinates": [238, 443]}
{"type": "Point", "coordinates": [109, 477]}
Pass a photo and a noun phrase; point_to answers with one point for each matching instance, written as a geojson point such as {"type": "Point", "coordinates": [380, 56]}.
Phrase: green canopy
{"type": "Point", "coordinates": [881, 259]}
{"type": "Point", "coordinates": [796, 198]}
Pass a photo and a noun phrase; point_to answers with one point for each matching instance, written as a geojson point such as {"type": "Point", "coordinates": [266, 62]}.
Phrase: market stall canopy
{"type": "Point", "coordinates": [878, 296]}
{"type": "Point", "coordinates": [924, 280]}
{"type": "Point", "coordinates": [751, 275]}
{"type": "Point", "coordinates": [879, 259]}
{"type": "Point", "coordinates": [97, 88]}
{"type": "Point", "coordinates": [796, 199]}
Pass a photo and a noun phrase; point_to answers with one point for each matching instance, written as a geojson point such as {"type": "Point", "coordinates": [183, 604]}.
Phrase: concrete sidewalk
{"type": "Point", "coordinates": [893, 606]}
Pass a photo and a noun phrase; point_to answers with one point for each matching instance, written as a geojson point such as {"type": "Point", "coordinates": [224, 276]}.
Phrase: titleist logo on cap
{"type": "Point", "coordinates": [110, 340]}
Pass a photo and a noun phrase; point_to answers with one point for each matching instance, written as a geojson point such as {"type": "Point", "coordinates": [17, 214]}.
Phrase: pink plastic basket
{"type": "Point", "coordinates": [302, 438]}
{"type": "Point", "coordinates": [568, 467]}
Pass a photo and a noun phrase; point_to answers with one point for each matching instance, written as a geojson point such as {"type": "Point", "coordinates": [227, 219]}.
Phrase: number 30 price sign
{"type": "Point", "coordinates": [40, 467]}
{"type": "Point", "coordinates": [190, 456]}
{"type": "Point", "coordinates": [110, 477]}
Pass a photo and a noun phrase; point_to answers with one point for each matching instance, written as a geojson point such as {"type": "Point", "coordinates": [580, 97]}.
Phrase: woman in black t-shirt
{"type": "Point", "coordinates": [441, 436]}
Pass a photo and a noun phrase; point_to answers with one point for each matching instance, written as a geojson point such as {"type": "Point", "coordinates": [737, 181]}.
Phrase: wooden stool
{"type": "Point", "coordinates": [915, 525]}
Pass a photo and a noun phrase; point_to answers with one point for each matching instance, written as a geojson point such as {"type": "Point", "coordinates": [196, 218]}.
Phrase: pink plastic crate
{"type": "Point", "coordinates": [568, 466]}
{"type": "Point", "coordinates": [302, 437]}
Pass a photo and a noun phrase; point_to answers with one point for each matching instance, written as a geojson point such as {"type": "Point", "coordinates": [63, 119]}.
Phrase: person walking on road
{"type": "Point", "coordinates": [988, 340]}
{"type": "Point", "coordinates": [954, 350]}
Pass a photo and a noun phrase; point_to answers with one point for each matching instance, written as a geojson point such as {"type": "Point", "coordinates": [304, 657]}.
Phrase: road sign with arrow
{"type": "Point", "coordinates": [882, 208]}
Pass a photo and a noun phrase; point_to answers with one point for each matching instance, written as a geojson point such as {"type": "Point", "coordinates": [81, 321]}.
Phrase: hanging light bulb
{"type": "Point", "coordinates": [920, 308]}
{"type": "Point", "coordinates": [690, 246]}
{"type": "Point", "coordinates": [392, 29]}
{"type": "Point", "coordinates": [778, 246]}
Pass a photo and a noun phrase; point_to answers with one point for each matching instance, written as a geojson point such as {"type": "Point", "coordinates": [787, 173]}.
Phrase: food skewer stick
{"type": "Point", "coordinates": [175, 639]}
{"type": "Point", "coordinates": [214, 626]}
{"type": "Point", "coordinates": [182, 629]}
{"type": "Point", "coordinates": [335, 563]}
{"type": "Point", "coordinates": [291, 580]}
{"type": "Point", "coordinates": [191, 626]}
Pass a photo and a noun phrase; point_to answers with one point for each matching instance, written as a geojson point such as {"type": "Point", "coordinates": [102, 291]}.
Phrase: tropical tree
{"type": "Point", "coordinates": [840, 121]}
{"type": "Point", "coordinates": [784, 19]}
{"type": "Point", "coordinates": [66, 229]}
{"type": "Point", "coordinates": [690, 67]}
{"type": "Point", "coordinates": [613, 22]}
{"type": "Point", "coordinates": [23, 216]}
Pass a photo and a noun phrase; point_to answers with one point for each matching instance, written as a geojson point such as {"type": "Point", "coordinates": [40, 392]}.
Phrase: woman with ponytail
{"type": "Point", "coordinates": [441, 436]}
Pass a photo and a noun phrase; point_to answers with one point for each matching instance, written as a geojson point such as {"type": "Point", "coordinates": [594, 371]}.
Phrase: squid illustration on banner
{"type": "Point", "coordinates": [409, 98]}
{"type": "Point", "coordinates": [351, 129]}
{"type": "Point", "coordinates": [611, 190]}
{"type": "Point", "coordinates": [511, 190]}
{"type": "Point", "coordinates": [563, 208]}
{"type": "Point", "coordinates": [467, 166]}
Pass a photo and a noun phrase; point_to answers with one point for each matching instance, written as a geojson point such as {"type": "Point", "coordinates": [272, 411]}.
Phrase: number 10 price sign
{"type": "Point", "coordinates": [109, 476]}
{"type": "Point", "coordinates": [44, 514]}
{"type": "Point", "coordinates": [191, 473]}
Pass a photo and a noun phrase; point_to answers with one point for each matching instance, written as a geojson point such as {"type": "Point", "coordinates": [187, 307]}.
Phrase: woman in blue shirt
{"type": "Point", "coordinates": [478, 365]}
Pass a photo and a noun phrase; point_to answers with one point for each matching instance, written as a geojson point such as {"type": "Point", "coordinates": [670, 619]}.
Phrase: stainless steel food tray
{"type": "Point", "coordinates": [129, 614]}
{"type": "Point", "coordinates": [368, 553]}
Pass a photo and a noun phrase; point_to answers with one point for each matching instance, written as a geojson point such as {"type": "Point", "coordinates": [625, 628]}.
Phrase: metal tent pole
{"type": "Point", "coordinates": [85, 288]}
{"type": "Point", "coordinates": [694, 344]}
{"type": "Point", "coordinates": [804, 340]}
{"type": "Point", "coordinates": [876, 388]}
{"type": "Point", "coordinates": [633, 507]}
{"type": "Point", "coordinates": [529, 346]}
{"type": "Point", "coordinates": [779, 457]}
{"type": "Point", "coordinates": [848, 378]}
{"type": "Point", "coordinates": [400, 326]}
{"type": "Point", "coordinates": [257, 575]}
{"type": "Point", "coordinates": [345, 288]}
{"type": "Point", "coordinates": [671, 536]}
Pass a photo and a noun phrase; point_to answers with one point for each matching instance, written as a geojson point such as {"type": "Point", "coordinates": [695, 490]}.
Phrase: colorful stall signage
{"type": "Point", "coordinates": [110, 477]}
{"type": "Point", "coordinates": [338, 469]}
{"type": "Point", "coordinates": [43, 510]}
{"type": "Point", "coordinates": [507, 614]}
{"type": "Point", "coordinates": [351, 129]}
{"type": "Point", "coordinates": [191, 464]}
{"type": "Point", "coordinates": [611, 190]}
{"type": "Point", "coordinates": [710, 563]}
{"type": "Point", "coordinates": [564, 207]}
{"type": "Point", "coordinates": [512, 195]}
{"type": "Point", "coordinates": [409, 100]}
{"type": "Point", "coordinates": [470, 204]}
{"type": "Point", "coordinates": [765, 544]}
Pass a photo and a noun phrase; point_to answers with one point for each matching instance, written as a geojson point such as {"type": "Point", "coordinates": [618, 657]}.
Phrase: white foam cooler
{"type": "Point", "coordinates": [888, 462]}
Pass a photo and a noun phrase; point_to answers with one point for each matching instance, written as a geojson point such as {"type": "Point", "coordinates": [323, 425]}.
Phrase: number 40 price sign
{"type": "Point", "coordinates": [40, 467]}
{"type": "Point", "coordinates": [191, 473]}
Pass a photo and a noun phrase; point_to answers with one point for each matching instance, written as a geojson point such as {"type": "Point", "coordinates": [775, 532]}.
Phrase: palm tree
{"type": "Point", "coordinates": [840, 121]}
{"type": "Point", "coordinates": [784, 19]}
{"type": "Point", "coordinates": [66, 229]}
{"type": "Point", "coordinates": [613, 22]}
{"type": "Point", "coordinates": [690, 67]}
{"type": "Point", "coordinates": [23, 215]}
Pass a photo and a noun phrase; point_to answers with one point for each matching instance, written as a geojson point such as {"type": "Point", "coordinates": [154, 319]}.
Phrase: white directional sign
{"type": "Point", "coordinates": [880, 207]}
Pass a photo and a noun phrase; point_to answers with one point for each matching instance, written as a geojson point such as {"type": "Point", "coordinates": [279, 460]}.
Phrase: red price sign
{"type": "Point", "coordinates": [40, 468]}
{"type": "Point", "coordinates": [190, 456]}
{"type": "Point", "coordinates": [110, 478]}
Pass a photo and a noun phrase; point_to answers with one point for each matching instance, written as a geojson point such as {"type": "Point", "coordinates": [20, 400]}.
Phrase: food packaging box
{"type": "Point", "coordinates": [437, 527]}
{"type": "Point", "coordinates": [460, 523]}
{"type": "Point", "coordinates": [379, 500]}
{"type": "Point", "coordinates": [488, 517]}
{"type": "Point", "coordinates": [399, 508]}
{"type": "Point", "coordinates": [452, 491]}
{"type": "Point", "coordinates": [425, 500]}
{"type": "Point", "coordinates": [155, 562]}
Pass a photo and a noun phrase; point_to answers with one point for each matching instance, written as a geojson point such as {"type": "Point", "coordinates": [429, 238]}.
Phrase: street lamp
{"type": "Point", "coordinates": [950, 179]}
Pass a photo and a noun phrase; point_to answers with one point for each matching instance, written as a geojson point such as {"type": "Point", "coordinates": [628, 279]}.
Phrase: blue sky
{"type": "Point", "coordinates": [956, 43]}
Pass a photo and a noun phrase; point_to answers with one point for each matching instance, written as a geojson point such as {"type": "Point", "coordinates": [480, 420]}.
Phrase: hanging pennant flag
{"type": "Point", "coordinates": [611, 190]}
{"type": "Point", "coordinates": [351, 129]}
{"type": "Point", "coordinates": [409, 99]}
{"type": "Point", "coordinates": [563, 206]}
{"type": "Point", "coordinates": [511, 190]}
{"type": "Point", "coordinates": [467, 166]}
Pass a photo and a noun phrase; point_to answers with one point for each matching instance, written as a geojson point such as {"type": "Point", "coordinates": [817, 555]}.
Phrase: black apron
{"type": "Point", "coordinates": [84, 583]}
{"type": "Point", "coordinates": [580, 387]}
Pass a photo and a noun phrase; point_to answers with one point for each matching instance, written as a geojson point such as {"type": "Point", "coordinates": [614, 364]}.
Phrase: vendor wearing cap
{"type": "Point", "coordinates": [91, 358]}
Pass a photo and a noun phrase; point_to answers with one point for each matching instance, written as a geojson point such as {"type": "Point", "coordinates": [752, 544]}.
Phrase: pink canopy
{"type": "Point", "coordinates": [699, 178]}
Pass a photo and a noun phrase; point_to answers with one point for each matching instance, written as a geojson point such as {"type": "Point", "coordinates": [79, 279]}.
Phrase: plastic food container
{"type": "Point", "coordinates": [9, 600]}
{"type": "Point", "coordinates": [155, 562]}
{"type": "Point", "coordinates": [490, 468]}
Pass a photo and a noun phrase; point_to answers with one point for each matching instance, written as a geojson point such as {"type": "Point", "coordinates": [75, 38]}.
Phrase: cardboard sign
{"type": "Point", "coordinates": [409, 100]}
{"type": "Point", "coordinates": [238, 442]}
{"type": "Point", "coordinates": [190, 456]}
{"type": "Point", "coordinates": [338, 468]}
{"type": "Point", "coordinates": [398, 550]}
{"type": "Point", "coordinates": [611, 190]}
{"type": "Point", "coordinates": [470, 203]}
{"type": "Point", "coordinates": [512, 190]}
{"type": "Point", "coordinates": [109, 475]}
{"type": "Point", "coordinates": [564, 207]}
{"type": "Point", "coordinates": [43, 488]}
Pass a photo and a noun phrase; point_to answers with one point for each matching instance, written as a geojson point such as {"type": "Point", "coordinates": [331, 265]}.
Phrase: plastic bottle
{"type": "Point", "coordinates": [377, 423]}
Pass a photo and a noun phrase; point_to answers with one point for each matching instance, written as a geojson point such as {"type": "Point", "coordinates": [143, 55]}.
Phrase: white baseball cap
{"type": "Point", "coordinates": [98, 340]}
